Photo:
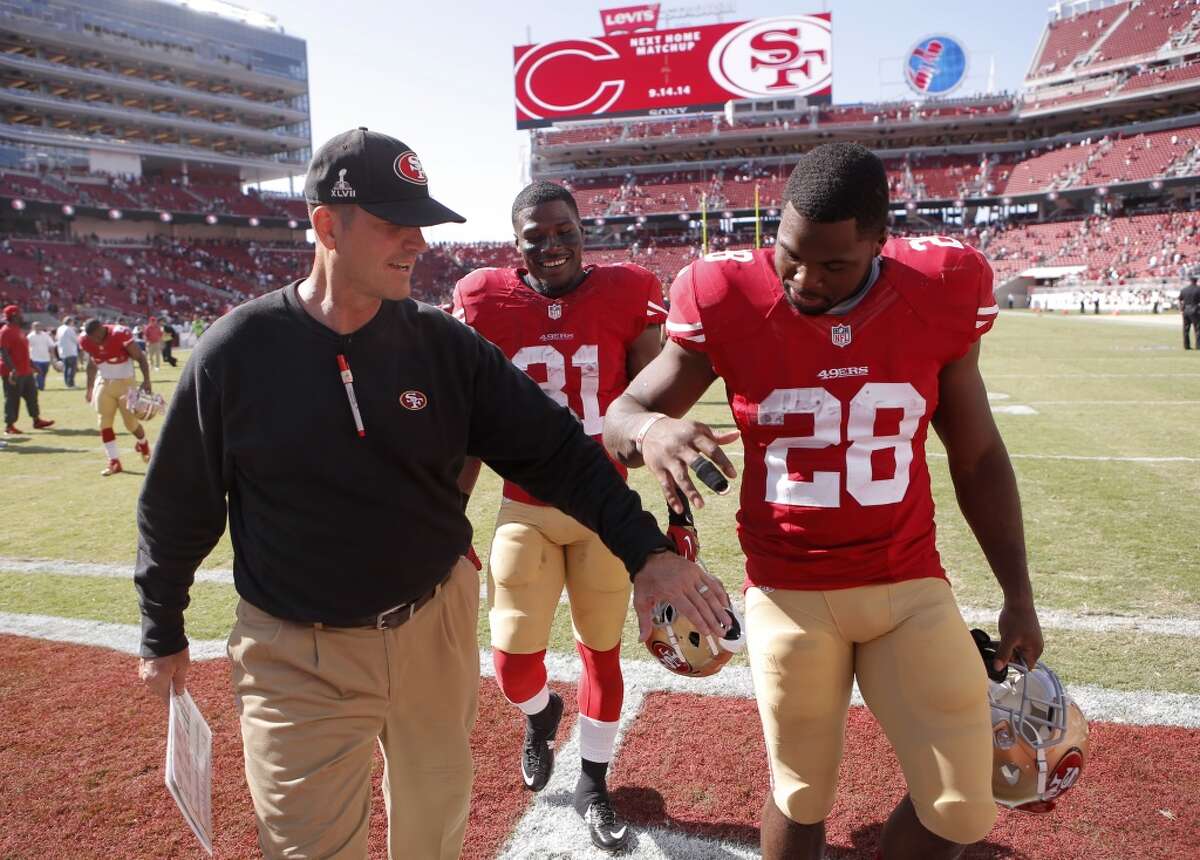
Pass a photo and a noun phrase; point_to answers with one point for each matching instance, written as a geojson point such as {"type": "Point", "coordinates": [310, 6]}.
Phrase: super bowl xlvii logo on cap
{"type": "Point", "coordinates": [935, 66]}
{"type": "Point", "coordinates": [408, 167]}
{"type": "Point", "coordinates": [555, 311]}
{"type": "Point", "coordinates": [840, 335]}
{"type": "Point", "coordinates": [342, 188]}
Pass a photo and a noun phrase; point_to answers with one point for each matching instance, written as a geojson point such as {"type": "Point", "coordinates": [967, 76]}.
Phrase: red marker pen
{"type": "Point", "coordinates": [348, 381]}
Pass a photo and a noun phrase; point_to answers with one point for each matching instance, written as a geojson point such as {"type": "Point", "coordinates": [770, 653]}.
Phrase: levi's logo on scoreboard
{"type": "Point", "coordinates": [629, 19]}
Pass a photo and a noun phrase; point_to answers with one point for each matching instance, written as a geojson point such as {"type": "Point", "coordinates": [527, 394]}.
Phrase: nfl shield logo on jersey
{"type": "Point", "coordinates": [555, 311]}
{"type": "Point", "coordinates": [840, 335]}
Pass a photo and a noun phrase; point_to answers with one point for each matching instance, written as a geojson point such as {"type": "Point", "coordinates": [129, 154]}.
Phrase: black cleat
{"type": "Point", "coordinates": [537, 755]}
{"type": "Point", "coordinates": [608, 832]}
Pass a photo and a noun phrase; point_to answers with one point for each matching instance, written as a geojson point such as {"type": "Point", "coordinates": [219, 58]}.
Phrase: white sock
{"type": "Point", "coordinates": [110, 448]}
{"type": "Point", "coordinates": [535, 705]}
{"type": "Point", "coordinates": [596, 739]}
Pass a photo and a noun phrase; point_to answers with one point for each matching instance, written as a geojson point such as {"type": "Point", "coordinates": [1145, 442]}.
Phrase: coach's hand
{"type": "Point", "coordinates": [1020, 633]}
{"type": "Point", "coordinates": [159, 673]}
{"type": "Point", "coordinates": [667, 578]}
{"type": "Point", "coordinates": [672, 444]}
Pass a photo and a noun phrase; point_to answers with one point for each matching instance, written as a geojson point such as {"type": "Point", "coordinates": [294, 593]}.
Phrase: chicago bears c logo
{"type": "Point", "coordinates": [414, 400]}
{"type": "Point", "coordinates": [408, 167]}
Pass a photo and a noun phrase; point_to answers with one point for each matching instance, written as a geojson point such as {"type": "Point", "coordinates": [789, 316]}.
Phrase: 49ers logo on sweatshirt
{"type": "Point", "coordinates": [414, 400]}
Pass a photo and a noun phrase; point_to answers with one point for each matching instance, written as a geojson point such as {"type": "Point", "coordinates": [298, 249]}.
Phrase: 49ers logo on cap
{"type": "Point", "coordinates": [408, 167]}
{"type": "Point", "coordinates": [414, 400]}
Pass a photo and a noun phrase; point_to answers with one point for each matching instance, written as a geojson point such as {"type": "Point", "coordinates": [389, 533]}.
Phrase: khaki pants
{"type": "Point", "coordinates": [314, 702]}
{"type": "Point", "coordinates": [154, 351]}
{"type": "Point", "coordinates": [109, 398]}
{"type": "Point", "coordinates": [920, 674]}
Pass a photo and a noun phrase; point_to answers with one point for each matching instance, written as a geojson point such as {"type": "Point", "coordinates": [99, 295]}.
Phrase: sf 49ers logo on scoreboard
{"type": "Point", "coordinates": [774, 56]}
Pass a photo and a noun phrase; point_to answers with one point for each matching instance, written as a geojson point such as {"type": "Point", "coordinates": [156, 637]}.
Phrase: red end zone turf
{"type": "Point", "coordinates": [697, 763]}
{"type": "Point", "coordinates": [82, 748]}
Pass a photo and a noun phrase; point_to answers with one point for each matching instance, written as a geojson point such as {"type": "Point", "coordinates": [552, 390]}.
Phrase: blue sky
{"type": "Point", "coordinates": [437, 75]}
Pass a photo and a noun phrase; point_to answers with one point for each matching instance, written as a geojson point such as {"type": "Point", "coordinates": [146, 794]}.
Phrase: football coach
{"type": "Point", "coordinates": [357, 616]}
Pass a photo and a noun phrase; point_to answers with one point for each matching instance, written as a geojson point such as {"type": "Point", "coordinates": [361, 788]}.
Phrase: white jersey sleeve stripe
{"type": "Point", "coordinates": [680, 328]}
{"type": "Point", "coordinates": [694, 338]}
{"type": "Point", "coordinates": [994, 309]}
{"type": "Point", "coordinates": [653, 307]}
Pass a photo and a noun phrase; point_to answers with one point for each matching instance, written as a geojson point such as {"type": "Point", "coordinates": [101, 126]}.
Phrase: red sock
{"type": "Point", "coordinates": [520, 676]}
{"type": "Point", "coordinates": [601, 687]}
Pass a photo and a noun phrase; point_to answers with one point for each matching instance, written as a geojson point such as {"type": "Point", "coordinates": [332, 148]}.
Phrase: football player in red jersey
{"type": "Point", "coordinates": [838, 350]}
{"type": "Point", "coordinates": [112, 352]}
{"type": "Point", "coordinates": [582, 331]}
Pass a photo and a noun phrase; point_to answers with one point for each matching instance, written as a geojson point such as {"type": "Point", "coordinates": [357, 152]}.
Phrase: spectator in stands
{"type": "Point", "coordinates": [154, 337]}
{"type": "Point", "coordinates": [1189, 304]}
{"type": "Point", "coordinates": [41, 353]}
{"type": "Point", "coordinates": [68, 350]}
{"type": "Point", "coordinates": [17, 372]}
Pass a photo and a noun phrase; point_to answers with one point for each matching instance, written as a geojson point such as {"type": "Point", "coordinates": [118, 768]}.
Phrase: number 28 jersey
{"type": "Point", "coordinates": [834, 410]}
{"type": "Point", "coordinates": [574, 346]}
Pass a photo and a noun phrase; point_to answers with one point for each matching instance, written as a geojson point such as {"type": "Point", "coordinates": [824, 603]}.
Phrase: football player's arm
{"type": "Point", "coordinates": [135, 352]}
{"type": "Point", "coordinates": [668, 387]}
{"type": "Point", "coordinates": [91, 377]}
{"type": "Point", "coordinates": [645, 347]}
{"type": "Point", "coordinates": [986, 488]}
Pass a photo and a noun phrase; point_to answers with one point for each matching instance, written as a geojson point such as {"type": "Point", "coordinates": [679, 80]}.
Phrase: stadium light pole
{"type": "Point", "coordinates": [704, 223]}
{"type": "Point", "coordinates": [757, 221]}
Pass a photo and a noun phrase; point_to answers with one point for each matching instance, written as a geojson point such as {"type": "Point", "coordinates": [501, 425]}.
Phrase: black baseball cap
{"type": "Point", "coordinates": [377, 173]}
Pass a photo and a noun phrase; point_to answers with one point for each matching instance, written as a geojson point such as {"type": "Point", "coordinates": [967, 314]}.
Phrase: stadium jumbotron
{"type": "Point", "coordinates": [152, 159]}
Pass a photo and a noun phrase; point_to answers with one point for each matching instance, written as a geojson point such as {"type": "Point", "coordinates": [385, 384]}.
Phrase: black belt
{"type": "Point", "coordinates": [397, 615]}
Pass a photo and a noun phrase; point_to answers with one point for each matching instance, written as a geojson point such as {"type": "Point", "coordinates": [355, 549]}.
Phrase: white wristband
{"type": "Point", "coordinates": [644, 429]}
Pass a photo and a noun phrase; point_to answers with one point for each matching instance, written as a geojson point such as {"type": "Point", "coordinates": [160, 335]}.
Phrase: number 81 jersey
{"type": "Point", "coordinates": [575, 345]}
{"type": "Point", "coordinates": [834, 410]}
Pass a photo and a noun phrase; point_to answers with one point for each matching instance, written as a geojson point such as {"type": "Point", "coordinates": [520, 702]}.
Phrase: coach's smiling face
{"type": "Point", "coordinates": [550, 241]}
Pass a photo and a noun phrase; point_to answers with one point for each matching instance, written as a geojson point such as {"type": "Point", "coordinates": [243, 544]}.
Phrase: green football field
{"type": "Point", "coordinates": [1102, 417]}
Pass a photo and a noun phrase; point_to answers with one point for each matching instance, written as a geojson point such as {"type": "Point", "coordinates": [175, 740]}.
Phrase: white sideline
{"type": "Point", "coordinates": [1140, 707]}
{"type": "Point", "coordinates": [1056, 619]}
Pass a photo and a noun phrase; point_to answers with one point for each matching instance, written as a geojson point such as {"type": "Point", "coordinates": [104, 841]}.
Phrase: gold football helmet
{"type": "Point", "coordinates": [677, 644]}
{"type": "Point", "coordinates": [143, 404]}
{"type": "Point", "coordinates": [1039, 734]}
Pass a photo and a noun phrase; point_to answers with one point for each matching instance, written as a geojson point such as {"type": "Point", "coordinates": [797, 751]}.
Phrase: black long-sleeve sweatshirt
{"type": "Point", "coordinates": [328, 526]}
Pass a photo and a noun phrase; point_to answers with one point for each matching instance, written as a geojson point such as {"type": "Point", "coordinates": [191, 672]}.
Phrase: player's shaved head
{"type": "Point", "coordinates": [840, 181]}
{"type": "Point", "coordinates": [542, 191]}
{"type": "Point", "coordinates": [92, 326]}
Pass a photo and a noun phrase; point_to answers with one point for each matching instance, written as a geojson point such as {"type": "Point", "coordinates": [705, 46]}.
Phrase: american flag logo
{"type": "Point", "coordinates": [840, 335]}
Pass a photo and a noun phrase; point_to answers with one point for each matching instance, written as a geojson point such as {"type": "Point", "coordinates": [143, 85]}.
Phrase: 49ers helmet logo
{"type": "Point", "coordinates": [667, 656]}
{"type": "Point", "coordinates": [408, 167]}
{"type": "Point", "coordinates": [1065, 774]}
{"type": "Point", "coordinates": [414, 400]}
{"type": "Point", "coordinates": [774, 56]}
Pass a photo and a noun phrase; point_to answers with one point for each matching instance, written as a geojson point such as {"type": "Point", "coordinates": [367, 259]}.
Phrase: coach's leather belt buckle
{"type": "Point", "coordinates": [397, 615]}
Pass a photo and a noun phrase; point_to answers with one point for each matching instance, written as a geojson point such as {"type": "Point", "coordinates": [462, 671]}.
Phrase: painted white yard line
{"type": "Point", "coordinates": [1088, 459]}
{"type": "Point", "coordinates": [1051, 618]}
{"type": "Point", "coordinates": [1141, 707]}
{"type": "Point", "coordinates": [1014, 409]}
{"type": "Point", "coordinates": [63, 567]}
{"type": "Point", "coordinates": [1180, 375]}
{"type": "Point", "coordinates": [1114, 403]}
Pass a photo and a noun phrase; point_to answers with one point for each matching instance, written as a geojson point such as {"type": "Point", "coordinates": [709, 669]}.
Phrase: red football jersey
{"type": "Point", "coordinates": [111, 352]}
{"type": "Point", "coordinates": [574, 346]}
{"type": "Point", "coordinates": [834, 410]}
